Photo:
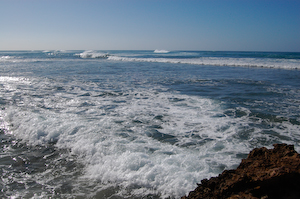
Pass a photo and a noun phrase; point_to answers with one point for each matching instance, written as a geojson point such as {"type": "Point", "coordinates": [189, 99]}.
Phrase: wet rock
{"type": "Point", "coordinates": [265, 173]}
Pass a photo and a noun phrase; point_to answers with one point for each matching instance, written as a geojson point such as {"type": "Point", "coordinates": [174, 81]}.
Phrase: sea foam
{"type": "Point", "coordinates": [142, 128]}
{"type": "Point", "coordinates": [222, 61]}
{"type": "Point", "coordinates": [7, 58]}
{"type": "Point", "coordinates": [161, 51]}
{"type": "Point", "coordinates": [134, 139]}
{"type": "Point", "coordinates": [92, 54]}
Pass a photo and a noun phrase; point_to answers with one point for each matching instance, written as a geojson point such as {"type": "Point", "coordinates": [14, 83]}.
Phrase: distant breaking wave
{"type": "Point", "coordinates": [92, 54]}
{"type": "Point", "coordinates": [215, 61]}
{"type": "Point", "coordinates": [222, 61]}
{"type": "Point", "coordinates": [161, 51]}
{"type": "Point", "coordinates": [182, 58]}
{"type": "Point", "coordinates": [4, 58]}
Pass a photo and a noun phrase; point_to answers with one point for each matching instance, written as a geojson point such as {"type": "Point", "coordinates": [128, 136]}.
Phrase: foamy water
{"type": "Point", "coordinates": [216, 61]}
{"type": "Point", "coordinates": [132, 125]}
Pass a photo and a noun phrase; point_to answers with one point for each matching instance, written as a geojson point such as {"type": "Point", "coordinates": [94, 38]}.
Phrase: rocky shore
{"type": "Point", "coordinates": [265, 173]}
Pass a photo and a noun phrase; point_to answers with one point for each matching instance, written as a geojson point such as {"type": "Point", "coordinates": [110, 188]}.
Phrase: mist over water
{"type": "Point", "coordinates": [134, 124]}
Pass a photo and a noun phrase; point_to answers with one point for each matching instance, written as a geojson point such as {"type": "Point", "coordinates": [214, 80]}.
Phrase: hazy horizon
{"type": "Point", "coordinates": [103, 50]}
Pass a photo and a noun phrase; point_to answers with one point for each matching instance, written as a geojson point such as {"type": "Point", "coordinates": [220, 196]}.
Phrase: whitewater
{"type": "Point", "coordinates": [138, 124]}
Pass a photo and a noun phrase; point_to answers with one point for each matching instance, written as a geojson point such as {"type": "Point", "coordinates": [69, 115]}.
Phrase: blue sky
{"type": "Point", "coordinates": [238, 25]}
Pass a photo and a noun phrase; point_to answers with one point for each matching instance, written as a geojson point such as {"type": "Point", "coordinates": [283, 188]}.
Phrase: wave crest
{"type": "Point", "coordinates": [92, 54]}
{"type": "Point", "coordinates": [6, 57]}
{"type": "Point", "coordinates": [222, 61]}
{"type": "Point", "coordinates": [161, 51]}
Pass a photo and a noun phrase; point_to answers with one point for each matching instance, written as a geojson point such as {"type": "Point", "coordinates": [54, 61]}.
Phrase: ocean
{"type": "Point", "coordinates": [138, 124]}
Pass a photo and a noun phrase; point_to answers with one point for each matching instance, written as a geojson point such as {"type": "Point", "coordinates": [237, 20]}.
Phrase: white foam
{"type": "Point", "coordinates": [119, 137]}
{"type": "Point", "coordinates": [222, 61]}
{"type": "Point", "coordinates": [92, 54]}
{"type": "Point", "coordinates": [110, 135]}
{"type": "Point", "coordinates": [7, 58]}
{"type": "Point", "coordinates": [14, 59]}
{"type": "Point", "coordinates": [161, 51]}
{"type": "Point", "coordinates": [13, 79]}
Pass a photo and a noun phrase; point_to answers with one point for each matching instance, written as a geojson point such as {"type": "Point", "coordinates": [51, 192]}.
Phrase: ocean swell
{"type": "Point", "coordinates": [221, 61]}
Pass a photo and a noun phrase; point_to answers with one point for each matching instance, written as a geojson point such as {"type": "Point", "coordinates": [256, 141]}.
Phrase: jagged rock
{"type": "Point", "coordinates": [265, 173]}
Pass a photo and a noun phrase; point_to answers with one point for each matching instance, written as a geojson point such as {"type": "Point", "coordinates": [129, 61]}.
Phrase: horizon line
{"type": "Point", "coordinates": [155, 50]}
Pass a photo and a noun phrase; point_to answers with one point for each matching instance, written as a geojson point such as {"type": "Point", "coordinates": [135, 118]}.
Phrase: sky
{"type": "Point", "coordinates": [218, 25]}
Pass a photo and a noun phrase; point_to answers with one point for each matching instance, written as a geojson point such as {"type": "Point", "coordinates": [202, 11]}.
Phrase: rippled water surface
{"type": "Point", "coordinates": [138, 124]}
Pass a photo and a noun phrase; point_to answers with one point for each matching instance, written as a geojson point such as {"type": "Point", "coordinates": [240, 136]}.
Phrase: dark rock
{"type": "Point", "coordinates": [265, 173]}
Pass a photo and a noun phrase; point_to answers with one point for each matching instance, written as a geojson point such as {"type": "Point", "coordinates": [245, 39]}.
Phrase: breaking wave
{"type": "Point", "coordinates": [6, 58]}
{"type": "Point", "coordinates": [222, 61]}
{"type": "Point", "coordinates": [161, 51]}
{"type": "Point", "coordinates": [92, 54]}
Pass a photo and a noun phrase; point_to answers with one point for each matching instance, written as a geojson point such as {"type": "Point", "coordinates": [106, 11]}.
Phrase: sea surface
{"type": "Point", "coordinates": [138, 124]}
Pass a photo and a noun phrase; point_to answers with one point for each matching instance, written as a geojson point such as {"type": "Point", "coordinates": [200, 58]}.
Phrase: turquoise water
{"type": "Point", "coordinates": [138, 124]}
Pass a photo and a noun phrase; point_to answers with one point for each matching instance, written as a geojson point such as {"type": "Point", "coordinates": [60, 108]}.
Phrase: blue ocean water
{"type": "Point", "coordinates": [138, 124]}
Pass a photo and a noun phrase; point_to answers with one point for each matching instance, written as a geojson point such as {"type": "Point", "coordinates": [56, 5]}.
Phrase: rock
{"type": "Point", "coordinates": [265, 173]}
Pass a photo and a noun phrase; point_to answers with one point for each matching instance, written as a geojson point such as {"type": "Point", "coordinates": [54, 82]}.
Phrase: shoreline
{"type": "Point", "coordinates": [265, 173]}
